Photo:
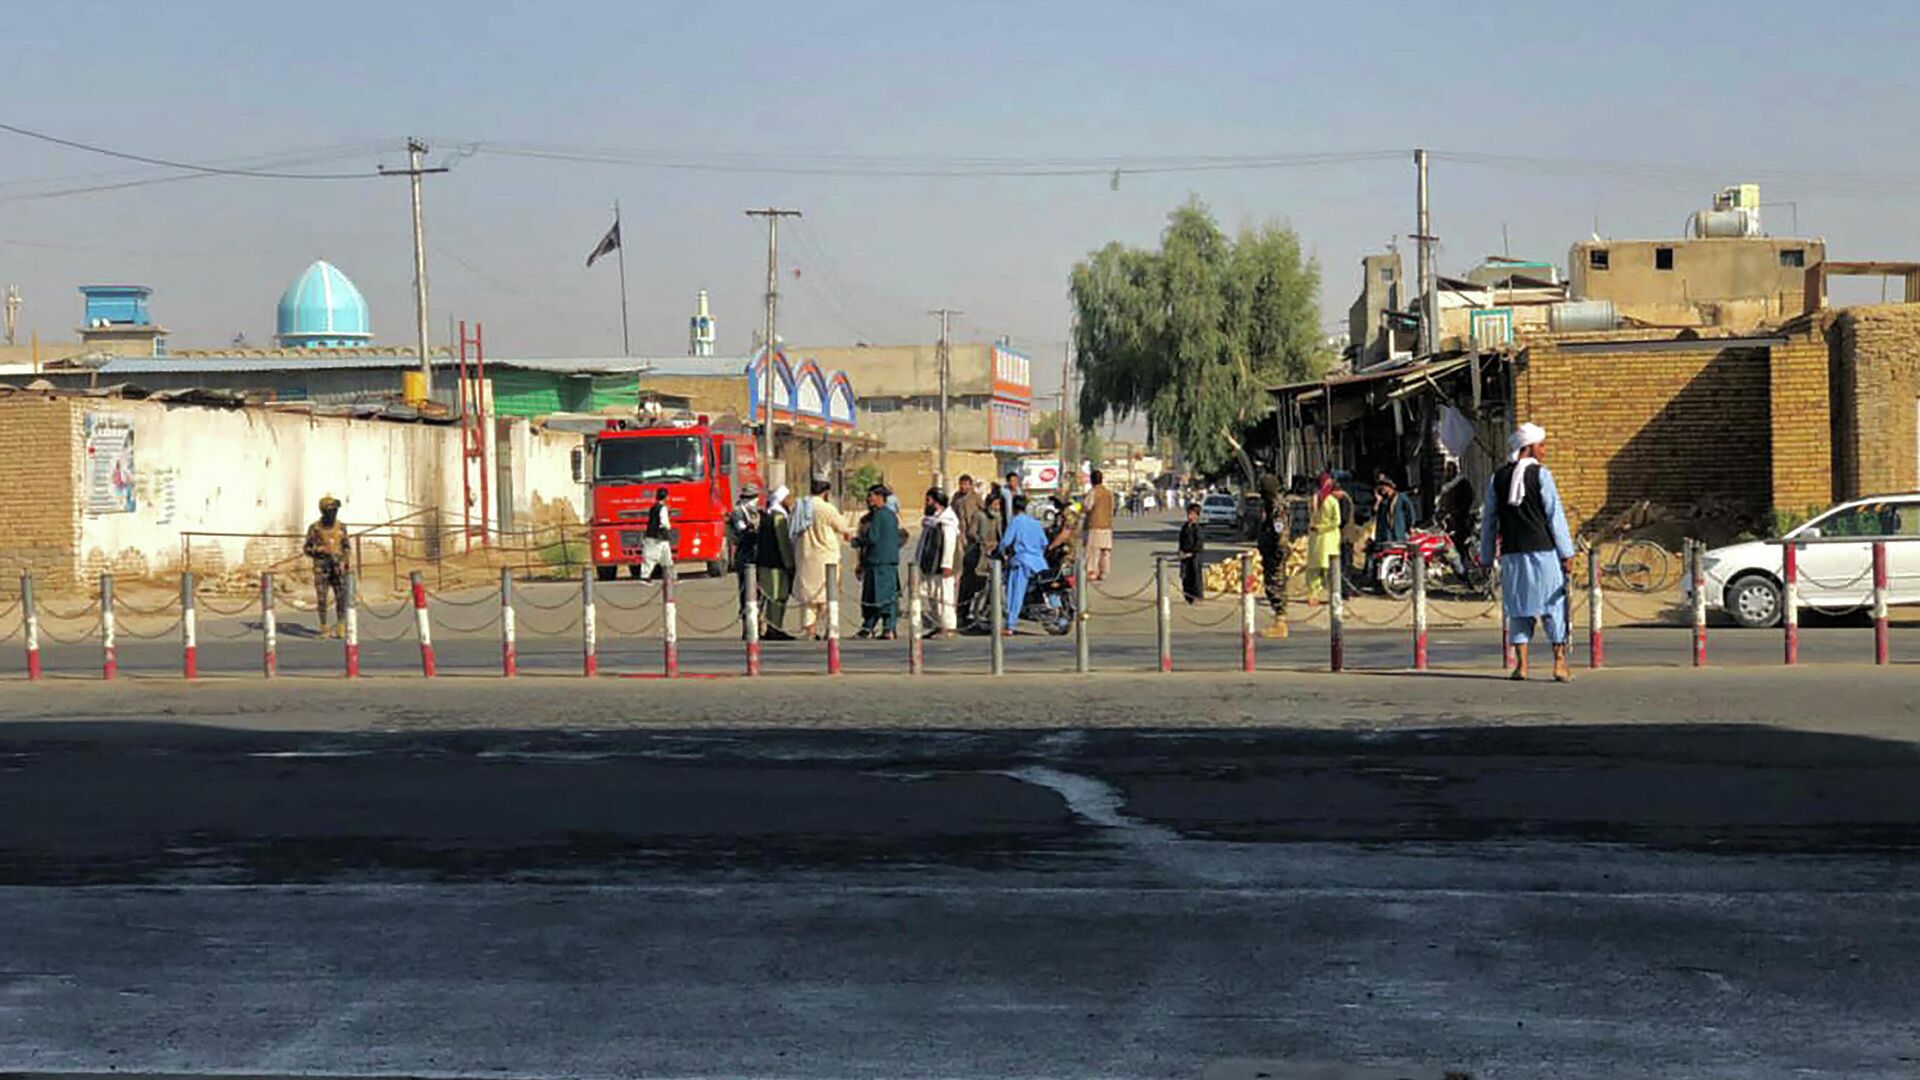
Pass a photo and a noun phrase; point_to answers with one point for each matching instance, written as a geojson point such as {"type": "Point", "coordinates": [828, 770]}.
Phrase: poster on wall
{"type": "Point", "coordinates": [109, 440]}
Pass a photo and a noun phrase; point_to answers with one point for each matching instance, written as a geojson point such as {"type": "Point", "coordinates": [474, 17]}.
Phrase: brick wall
{"type": "Point", "coordinates": [1681, 428]}
{"type": "Point", "coordinates": [1801, 421]}
{"type": "Point", "coordinates": [39, 513]}
{"type": "Point", "coordinates": [1876, 385]}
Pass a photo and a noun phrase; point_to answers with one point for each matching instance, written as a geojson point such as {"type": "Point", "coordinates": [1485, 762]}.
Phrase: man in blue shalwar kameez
{"type": "Point", "coordinates": [1523, 521]}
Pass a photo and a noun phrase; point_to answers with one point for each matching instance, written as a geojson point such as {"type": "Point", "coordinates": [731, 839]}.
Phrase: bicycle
{"type": "Point", "coordinates": [1634, 563]}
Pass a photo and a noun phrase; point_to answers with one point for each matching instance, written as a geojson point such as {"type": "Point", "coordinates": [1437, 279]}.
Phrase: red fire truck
{"type": "Point", "coordinates": [703, 469]}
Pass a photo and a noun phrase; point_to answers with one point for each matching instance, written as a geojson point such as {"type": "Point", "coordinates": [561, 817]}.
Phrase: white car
{"type": "Point", "coordinates": [1835, 574]}
{"type": "Point", "coordinates": [1220, 511]}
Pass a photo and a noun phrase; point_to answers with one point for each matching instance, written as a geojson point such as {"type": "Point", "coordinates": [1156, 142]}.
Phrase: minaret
{"type": "Point", "coordinates": [700, 328]}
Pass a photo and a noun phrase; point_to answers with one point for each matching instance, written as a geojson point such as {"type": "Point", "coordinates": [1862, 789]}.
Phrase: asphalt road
{"type": "Point", "coordinates": [1648, 898]}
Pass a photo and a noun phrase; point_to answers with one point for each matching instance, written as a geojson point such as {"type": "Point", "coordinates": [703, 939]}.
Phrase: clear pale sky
{"type": "Point", "coordinates": [1674, 99]}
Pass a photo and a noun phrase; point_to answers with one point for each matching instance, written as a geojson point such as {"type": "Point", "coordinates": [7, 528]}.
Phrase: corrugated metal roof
{"type": "Point", "coordinates": [698, 366]}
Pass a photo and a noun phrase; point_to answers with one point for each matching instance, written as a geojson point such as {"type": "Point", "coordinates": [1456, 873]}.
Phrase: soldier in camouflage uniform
{"type": "Point", "coordinates": [1274, 541]}
{"type": "Point", "coordinates": [327, 546]}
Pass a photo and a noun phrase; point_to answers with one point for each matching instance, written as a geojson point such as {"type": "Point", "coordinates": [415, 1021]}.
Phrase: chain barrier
{"type": "Point", "coordinates": [524, 599]}
{"type": "Point", "coordinates": [605, 599]}
{"type": "Point", "coordinates": [647, 625]}
{"type": "Point", "coordinates": [492, 620]}
{"type": "Point", "coordinates": [169, 631]}
{"type": "Point", "coordinates": [1141, 591]}
{"type": "Point", "coordinates": [1807, 579]}
{"type": "Point", "coordinates": [439, 599]}
{"type": "Point", "coordinates": [7, 612]}
{"type": "Point", "coordinates": [531, 628]}
{"type": "Point", "coordinates": [47, 611]}
{"type": "Point", "coordinates": [395, 612]}
{"type": "Point", "coordinates": [730, 624]}
{"type": "Point", "coordinates": [234, 612]}
{"type": "Point", "coordinates": [47, 631]}
{"type": "Point", "coordinates": [122, 604]}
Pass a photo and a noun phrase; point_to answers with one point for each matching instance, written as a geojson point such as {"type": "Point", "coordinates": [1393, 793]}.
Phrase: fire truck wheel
{"type": "Point", "coordinates": [606, 573]}
{"type": "Point", "coordinates": [716, 569]}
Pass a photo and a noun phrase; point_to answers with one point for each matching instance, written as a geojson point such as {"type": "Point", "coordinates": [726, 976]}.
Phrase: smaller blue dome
{"type": "Point", "coordinates": [322, 309]}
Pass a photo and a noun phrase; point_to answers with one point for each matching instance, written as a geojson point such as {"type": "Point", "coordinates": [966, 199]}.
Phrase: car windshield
{"type": "Point", "coordinates": [655, 458]}
{"type": "Point", "coordinates": [1219, 500]}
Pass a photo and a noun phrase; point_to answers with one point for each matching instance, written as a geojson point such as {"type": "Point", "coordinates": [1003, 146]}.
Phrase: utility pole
{"type": "Point", "coordinates": [1069, 462]}
{"type": "Point", "coordinates": [416, 150]}
{"type": "Point", "coordinates": [1429, 302]}
{"type": "Point", "coordinates": [773, 214]}
{"type": "Point", "coordinates": [944, 314]}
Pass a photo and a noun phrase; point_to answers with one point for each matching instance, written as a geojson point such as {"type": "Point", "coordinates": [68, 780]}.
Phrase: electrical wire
{"type": "Point", "coordinates": [208, 170]}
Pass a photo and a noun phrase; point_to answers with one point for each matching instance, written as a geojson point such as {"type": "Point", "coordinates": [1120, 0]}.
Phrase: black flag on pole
{"type": "Point", "coordinates": [608, 243]}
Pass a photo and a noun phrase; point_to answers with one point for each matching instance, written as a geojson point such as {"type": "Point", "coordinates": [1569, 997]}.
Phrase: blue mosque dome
{"type": "Point", "coordinates": [322, 309]}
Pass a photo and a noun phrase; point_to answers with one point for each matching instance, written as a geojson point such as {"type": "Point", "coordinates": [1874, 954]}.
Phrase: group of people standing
{"type": "Point", "coordinates": [782, 549]}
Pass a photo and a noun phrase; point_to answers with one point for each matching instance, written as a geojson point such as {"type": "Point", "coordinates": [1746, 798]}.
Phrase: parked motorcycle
{"type": "Point", "coordinates": [1448, 568]}
{"type": "Point", "coordinates": [1048, 603]}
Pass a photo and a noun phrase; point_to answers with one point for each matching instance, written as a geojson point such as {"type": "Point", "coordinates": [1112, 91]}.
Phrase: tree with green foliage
{"type": "Point", "coordinates": [1191, 335]}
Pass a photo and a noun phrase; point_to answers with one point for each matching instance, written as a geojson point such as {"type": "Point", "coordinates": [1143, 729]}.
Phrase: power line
{"type": "Point", "coordinates": [210, 170]}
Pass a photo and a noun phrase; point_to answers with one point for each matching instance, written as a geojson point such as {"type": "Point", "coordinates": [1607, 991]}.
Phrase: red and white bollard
{"type": "Point", "coordinates": [750, 620]}
{"type": "Point", "coordinates": [30, 625]}
{"type": "Point", "coordinates": [1880, 650]}
{"type": "Point", "coordinates": [109, 643]}
{"type": "Point", "coordinates": [1163, 614]}
{"type": "Point", "coordinates": [833, 618]}
{"type": "Point", "coordinates": [423, 623]}
{"type": "Point", "coordinates": [916, 649]}
{"type": "Point", "coordinates": [269, 629]}
{"type": "Point", "coordinates": [589, 626]}
{"type": "Point", "coordinates": [1419, 612]}
{"type": "Point", "coordinates": [1247, 617]}
{"type": "Point", "coordinates": [1697, 567]}
{"type": "Point", "coordinates": [351, 652]}
{"type": "Point", "coordinates": [189, 629]}
{"type": "Point", "coordinates": [1596, 628]}
{"type": "Point", "coordinates": [1790, 601]}
{"type": "Point", "coordinates": [1337, 618]}
{"type": "Point", "coordinates": [509, 660]}
{"type": "Point", "coordinates": [670, 621]}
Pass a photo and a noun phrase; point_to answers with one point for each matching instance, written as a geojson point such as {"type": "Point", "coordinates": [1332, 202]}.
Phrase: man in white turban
{"type": "Point", "coordinates": [1523, 522]}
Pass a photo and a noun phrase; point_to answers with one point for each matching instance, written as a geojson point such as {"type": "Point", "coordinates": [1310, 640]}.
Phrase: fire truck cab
{"type": "Point", "coordinates": [702, 469]}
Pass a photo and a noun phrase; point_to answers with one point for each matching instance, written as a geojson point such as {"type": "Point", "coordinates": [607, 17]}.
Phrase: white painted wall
{"type": "Point", "coordinates": [257, 471]}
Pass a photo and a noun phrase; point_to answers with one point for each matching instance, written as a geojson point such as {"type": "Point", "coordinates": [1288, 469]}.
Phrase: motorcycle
{"type": "Point", "coordinates": [1048, 603]}
{"type": "Point", "coordinates": [1448, 568]}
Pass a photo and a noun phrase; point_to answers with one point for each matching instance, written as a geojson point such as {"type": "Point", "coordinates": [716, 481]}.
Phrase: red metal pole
{"type": "Point", "coordinates": [1247, 634]}
{"type": "Point", "coordinates": [833, 618]}
{"type": "Point", "coordinates": [351, 653]}
{"type": "Point", "coordinates": [1419, 610]}
{"type": "Point", "coordinates": [1596, 607]}
{"type": "Point", "coordinates": [189, 630]}
{"type": "Point", "coordinates": [1337, 618]}
{"type": "Point", "coordinates": [1698, 555]}
{"type": "Point", "coordinates": [109, 649]}
{"type": "Point", "coordinates": [269, 629]}
{"type": "Point", "coordinates": [589, 625]}
{"type": "Point", "coordinates": [1790, 599]}
{"type": "Point", "coordinates": [670, 621]}
{"type": "Point", "coordinates": [1880, 602]}
{"type": "Point", "coordinates": [30, 625]}
{"type": "Point", "coordinates": [422, 624]}
{"type": "Point", "coordinates": [480, 391]}
{"type": "Point", "coordinates": [509, 660]}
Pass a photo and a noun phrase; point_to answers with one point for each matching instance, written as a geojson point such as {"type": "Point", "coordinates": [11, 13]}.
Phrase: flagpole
{"type": "Point", "coordinates": [626, 344]}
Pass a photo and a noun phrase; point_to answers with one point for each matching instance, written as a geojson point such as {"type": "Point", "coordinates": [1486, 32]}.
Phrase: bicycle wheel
{"type": "Point", "coordinates": [1640, 566]}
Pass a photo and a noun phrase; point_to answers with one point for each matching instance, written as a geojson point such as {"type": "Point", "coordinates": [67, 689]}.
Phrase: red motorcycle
{"type": "Point", "coordinates": [1448, 568]}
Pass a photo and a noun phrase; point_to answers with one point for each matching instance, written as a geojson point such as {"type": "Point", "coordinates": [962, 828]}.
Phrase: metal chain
{"type": "Point", "coordinates": [443, 598]}
{"type": "Point", "coordinates": [534, 630]}
{"type": "Point", "coordinates": [374, 612]}
{"type": "Point", "coordinates": [243, 609]}
{"type": "Point", "coordinates": [694, 624]}
{"type": "Point", "coordinates": [78, 639]}
{"type": "Point", "coordinates": [122, 604]}
{"type": "Point", "coordinates": [47, 611]}
{"type": "Point", "coordinates": [646, 626]}
{"type": "Point", "coordinates": [163, 633]}
{"type": "Point", "coordinates": [491, 620]}
{"type": "Point", "coordinates": [525, 599]}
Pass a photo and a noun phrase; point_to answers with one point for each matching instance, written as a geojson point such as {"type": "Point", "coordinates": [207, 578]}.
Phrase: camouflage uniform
{"type": "Point", "coordinates": [327, 546]}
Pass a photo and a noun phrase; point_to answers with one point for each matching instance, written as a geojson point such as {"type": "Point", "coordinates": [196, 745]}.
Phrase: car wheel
{"type": "Point", "coordinates": [1754, 601]}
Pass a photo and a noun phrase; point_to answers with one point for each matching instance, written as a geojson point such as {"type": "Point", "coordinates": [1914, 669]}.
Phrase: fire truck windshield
{"type": "Point", "coordinates": [653, 458]}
